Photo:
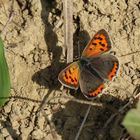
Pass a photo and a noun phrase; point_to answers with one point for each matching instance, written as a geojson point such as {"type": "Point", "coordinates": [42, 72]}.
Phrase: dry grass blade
{"type": "Point", "coordinates": [131, 100]}
{"type": "Point", "coordinates": [83, 122]}
{"type": "Point", "coordinates": [68, 43]}
{"type": "Point", "coordinates": [68, 29]}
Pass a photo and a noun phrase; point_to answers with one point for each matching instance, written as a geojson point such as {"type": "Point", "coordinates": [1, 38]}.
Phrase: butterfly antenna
{"type": "Point", "coordinates": [79, 50]}
{"type": "Point", "coordinates": [77, 57]}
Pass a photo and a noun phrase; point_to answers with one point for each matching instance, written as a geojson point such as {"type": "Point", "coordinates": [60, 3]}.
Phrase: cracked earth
{"type": "Point", "coordinates": [33, 47]}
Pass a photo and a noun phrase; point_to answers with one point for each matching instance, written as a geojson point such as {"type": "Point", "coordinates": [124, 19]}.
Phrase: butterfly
{"type": "Point", "coordinates": [93, 69]}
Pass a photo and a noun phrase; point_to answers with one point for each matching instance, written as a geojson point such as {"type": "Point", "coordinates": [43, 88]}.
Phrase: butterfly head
{"type": "Point", "coordinates": [83, 62]}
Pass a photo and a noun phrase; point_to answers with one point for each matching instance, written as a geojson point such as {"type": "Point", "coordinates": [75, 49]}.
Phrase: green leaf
{"type": "Point", "coordinates": [132, 122]}
{"type": "Point", "coordinates": [4, 77]}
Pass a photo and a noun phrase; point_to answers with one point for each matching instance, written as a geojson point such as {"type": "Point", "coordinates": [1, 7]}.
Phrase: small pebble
{"type": "Point", "coordinates": [7, 108]}
{"type": "Point", "coordinates": [136, 81]}
{"type": "Point", "coordinates": [128, 79]}
{"type": "Point", "coordinates": [25, 131]}
{"type": "Point", "coordinates": [134, 77]}
{"type": "Point", "coordinates": [40, 122]}
{"type": "Point", "coordinates": [126, 69]}
{"type": "Point", "coordinates": [37, 134]}
{"type": "Point", "coordinates": [9, 138]}
{"type": "Point", "coordinates": [131, 72]}
{"type": "Point", "coordinates": [5, 132]}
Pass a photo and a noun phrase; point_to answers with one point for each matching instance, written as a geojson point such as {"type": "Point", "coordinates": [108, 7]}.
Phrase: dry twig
{"type": "Point", "coordinates": [83, 122]}
{"type": "Point", "coordinates": [136, 96]}
{"type": "Point", "coordinates": [68, 29]}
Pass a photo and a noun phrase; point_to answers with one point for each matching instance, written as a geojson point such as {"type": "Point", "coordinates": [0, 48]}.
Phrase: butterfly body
{"type": "Point", "coordinates": [93, 68]}
{"type": "Point", "coordinates": [86, 64]}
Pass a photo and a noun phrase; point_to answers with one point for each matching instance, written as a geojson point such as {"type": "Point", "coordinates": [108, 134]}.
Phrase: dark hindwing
{"type": "Point", "coordinates": [91, 85]}
{"type": "Point", "coordinates": [106, 65]}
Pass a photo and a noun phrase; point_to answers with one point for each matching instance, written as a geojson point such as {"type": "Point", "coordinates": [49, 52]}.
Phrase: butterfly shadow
{"type": "Point", "coordinates": [68, 120]}
{"type": "Point", "coordinates": [48, 77]}
{"type": "Point", "coordinates": [12, 131]}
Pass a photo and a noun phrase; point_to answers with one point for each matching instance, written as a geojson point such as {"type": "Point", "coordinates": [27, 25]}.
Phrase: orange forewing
{"type": "Point", "coordinates": [70, 76]}
{"type": "Point", "coordinates": [99, 43]}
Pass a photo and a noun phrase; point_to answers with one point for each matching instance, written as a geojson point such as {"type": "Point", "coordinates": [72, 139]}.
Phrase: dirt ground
{"type": "Point", "coordinates": [33, 47]}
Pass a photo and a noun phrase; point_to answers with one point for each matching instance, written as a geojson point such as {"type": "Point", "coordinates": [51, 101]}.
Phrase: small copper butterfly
{"type": "Point", "coordinates": [93, 68]}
